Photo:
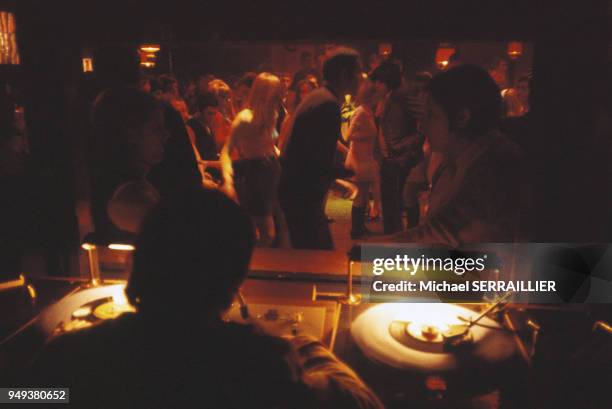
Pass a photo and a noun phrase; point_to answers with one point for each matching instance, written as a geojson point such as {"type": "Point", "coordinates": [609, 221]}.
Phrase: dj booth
{"type": "Point", "coordinates": [423, 354]}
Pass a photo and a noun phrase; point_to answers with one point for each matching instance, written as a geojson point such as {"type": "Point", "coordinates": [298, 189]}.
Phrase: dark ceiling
{"type": "Point", "coordinates": [330, 20]}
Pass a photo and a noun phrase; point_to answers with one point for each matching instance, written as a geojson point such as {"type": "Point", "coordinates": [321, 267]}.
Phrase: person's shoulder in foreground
{"type": "Point", "coordinates": [121, 363]}
{"type": "Point", "coordinates": [177, 349]}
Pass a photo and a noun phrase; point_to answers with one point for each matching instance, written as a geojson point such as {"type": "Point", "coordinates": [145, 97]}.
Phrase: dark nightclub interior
{"type": "Point", "coordinates": [189, 191]}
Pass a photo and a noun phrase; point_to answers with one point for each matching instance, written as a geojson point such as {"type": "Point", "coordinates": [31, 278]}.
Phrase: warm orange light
{"type": "Point", "coordinates": [9, 52]}
{"type": "Point", "coordinates": [429, 323]}
{"type": "Point", "coordinates": [385, 49]}
{"type": "Point", "coordinates": [75, 325]}
{"type": "Point", "coordinates": [13, 283]}
{"type": "Point", "coordinates": [150, 48]}
{"type": "Point", "coordinates": [515, 49]}
{"type": "Point", "coordinates": [112, 309]}
{"type": "Point", "coordinates": [121, 247]}
{"type": "Point", "coordinates": [435, 383]}
{"type": "Point", "coordinates": [87, 65]}
{"type": "Point", "coordinates": [81, 312]}
{"type": "Point", "coordinates": [443, 54]}
{"type": "Point", "coordinates": [88, 246]}
{"type": "Point", "coordinates": [148, 55]}
{"type": "Point", "coordinates": [32, 291]}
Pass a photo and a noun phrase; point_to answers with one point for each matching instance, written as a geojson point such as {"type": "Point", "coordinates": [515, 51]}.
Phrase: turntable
{"type": "Point", "coordinates": [423, 352]}
{"type": "Point", "coordinates": [423, 337]}
{"type": "Point", "coordinates": [84, 307]}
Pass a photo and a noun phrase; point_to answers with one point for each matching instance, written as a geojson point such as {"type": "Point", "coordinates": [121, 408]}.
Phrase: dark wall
{"type": "Point", "coordinates": [571, 165]}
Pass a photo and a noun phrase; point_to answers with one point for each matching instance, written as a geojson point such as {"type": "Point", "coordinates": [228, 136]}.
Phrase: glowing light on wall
{"type": "Point", "coordinates": [9, 52]}
{"type": "Point", "coordinates": [515, 49]}
{"type": "Point", "coordinates": [87, 64]}
{"type": "Point", "coordinates": [443, 54]}
{"type": "Point", "coordinates": [148, 55]}
{"type": "Point", "coordinates": [121, 247]}
{"type": "Point", "coordinates": [149, 48]}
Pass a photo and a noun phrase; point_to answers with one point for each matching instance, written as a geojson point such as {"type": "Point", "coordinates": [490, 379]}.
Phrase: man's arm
{"type": "Point", "coordinates": [334, 383]}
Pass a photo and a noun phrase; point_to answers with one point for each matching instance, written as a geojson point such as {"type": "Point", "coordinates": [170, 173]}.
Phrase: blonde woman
{"type": "Point", "coordinates": [249, 159]}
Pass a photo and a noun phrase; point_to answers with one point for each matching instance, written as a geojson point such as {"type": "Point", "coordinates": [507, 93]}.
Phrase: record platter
{"type": "Point", "coordinates": [420, 352]}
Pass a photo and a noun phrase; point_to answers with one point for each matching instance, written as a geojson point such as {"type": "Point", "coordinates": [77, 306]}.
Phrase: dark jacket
{"type": "Point", "coordinates": [128, 363]}
{"type": "Point", "coordinates": [308, 159]}
{"type": "Point", "coordinates": [398, 141]}
{"type": "Point", "coordinates": [179, 169]}
{"type": "Point", "coordinates": [204, 140]}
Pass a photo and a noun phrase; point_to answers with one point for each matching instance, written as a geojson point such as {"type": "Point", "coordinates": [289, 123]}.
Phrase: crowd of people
{"type": "Point", "coordinates": [209, 169]}
{"type": "Point", "coordinates": [415, 152]}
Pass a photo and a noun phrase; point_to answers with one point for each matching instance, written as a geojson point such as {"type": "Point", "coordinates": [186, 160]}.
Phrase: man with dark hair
{"type": "Point", "coordinates": [201, 124]}
{"type": "Point", "coordinates": [399, 145]}
{"type": "Point", "coordinates": [176, 350]}
{"type": "Point", "coordinates": [477, 191]}
{"type": "Point", "coordinates": [309, 165]}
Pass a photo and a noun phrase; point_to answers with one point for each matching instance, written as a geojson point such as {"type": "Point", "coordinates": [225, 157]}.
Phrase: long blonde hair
{"type": "Point", "coordinates": [264, 100]}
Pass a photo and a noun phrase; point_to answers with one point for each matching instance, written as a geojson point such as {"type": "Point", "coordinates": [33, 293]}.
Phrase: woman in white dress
{"type": "Point", "coordinates": [362, 136]}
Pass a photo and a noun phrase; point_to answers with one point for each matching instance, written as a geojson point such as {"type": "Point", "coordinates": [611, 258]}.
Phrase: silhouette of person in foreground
{"type": "Point", "coordinates": [192, 255]}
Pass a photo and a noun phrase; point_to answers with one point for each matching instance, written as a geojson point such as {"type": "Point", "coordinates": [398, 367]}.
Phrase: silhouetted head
{"type": "Point", "coordinates": [387, 77]}
{"type": "Point", "coordinates": [191, 256]}
{"type": "Point", "coordinates": [168, 85]}
{"type": "Point", "coordinates": [463, 104]}
{"type": "Point", "coordinates": [129, 130]}
{"type": "Point", "coordinates": [342, 70]}
{"type": "Point", "coordinates": [208, 106]}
